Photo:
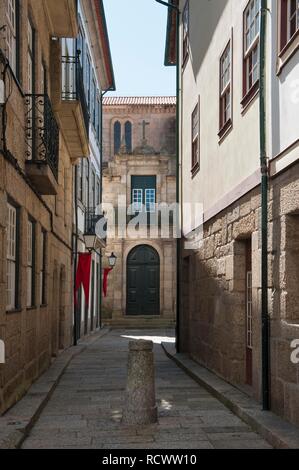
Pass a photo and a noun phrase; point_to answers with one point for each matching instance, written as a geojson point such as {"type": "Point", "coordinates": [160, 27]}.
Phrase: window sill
{"type": "Point", "coordinates": [250, 96]}
{"type": "Point", "coordinates": [287, 52]}
{"type": "Point", "coordinates": [195, 170]}
{"type": "Point", "coordinates": [225, 130]}
{"type": "Point", "coordinates": [14, 311]}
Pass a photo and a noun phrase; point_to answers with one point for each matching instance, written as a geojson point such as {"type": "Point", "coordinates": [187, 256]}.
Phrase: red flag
{"type": "Point", "coordinates": [83, 275]}
{"type": "Point", "coordinates": [105, 280]}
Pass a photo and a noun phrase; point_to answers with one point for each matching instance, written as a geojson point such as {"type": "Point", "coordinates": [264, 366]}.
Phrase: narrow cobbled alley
{"type": "Point", "coordinates": [85, 410]}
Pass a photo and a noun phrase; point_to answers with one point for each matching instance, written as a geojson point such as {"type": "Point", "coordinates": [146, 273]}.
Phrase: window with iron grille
{"type": "Point", "coordinates": [186, 31]}
{"type": "Point", "coordinates": [195, 138]}
{"type": "Point", "coordinates": [12, 258]}
{"type": "Point", "coordinates": [225, 87]}
{"type": "Point", "coordinates": [251, 46]}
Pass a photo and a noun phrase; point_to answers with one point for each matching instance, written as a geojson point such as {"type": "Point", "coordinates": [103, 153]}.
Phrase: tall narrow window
{"type": "Point", "coordinates": [186, 32]}
{"type": "Point", "coordinates": [195, 139]}
{"type": "Point", "coordinates": [225, 88]}
{"type": "Point", "coordinates": [12, 254]}
{"type": "Point", "coordinates": [93, 102]}
{"type": "Point", "coordinates": [117, 137]}
{"type": "Point", "coordinates": [43, 268]}
{"type": "Point", "coordinates": [128, 134]}
{"type": "Point", "coordinates": [93, 189]}
{"type": "Point", "coordinates": [80, 181]}
{"type": "Point", "coordinates": [150, 200]}
{"type": "Point", "coordinates": [30, 262]}
{"type": "Point", "coordinates": [30, 59]}
{"type": "Point", "coordinates": [289, 19]}
{"type": "Point", "coordinates": [97, 122]}
{"type": "Point", "coordinates": [86, 183]}
{"type": "Point", "coordinates": [251, 47]}
{"type": "Point", "coordinates": [98, 193]}
{"type": "Point", "coordinates": [12, 32]}
{"type": "Point", "coordinates": [137, 199]}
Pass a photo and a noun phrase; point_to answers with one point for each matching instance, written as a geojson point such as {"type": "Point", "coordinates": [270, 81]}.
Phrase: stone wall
{"type": "Point", "coordinates": [213, 317]}
{"type": "Point", "coordinates": [32, 336]}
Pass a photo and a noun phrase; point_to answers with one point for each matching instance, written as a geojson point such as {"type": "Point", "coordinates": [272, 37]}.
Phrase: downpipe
{"type": "Point", "coordinates": [264, 214]}
{"type": "Point", "coordinates": [178, 256]}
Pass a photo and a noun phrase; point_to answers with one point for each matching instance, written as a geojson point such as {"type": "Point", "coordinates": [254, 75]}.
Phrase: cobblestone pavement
{"type": "Point", "coordinates": [86, 408]}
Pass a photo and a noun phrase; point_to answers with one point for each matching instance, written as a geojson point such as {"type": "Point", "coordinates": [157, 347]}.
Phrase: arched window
{"type": "Point", "coordinates": [117, 137]}
{"type": "Point", "coordinates": [128, 134]}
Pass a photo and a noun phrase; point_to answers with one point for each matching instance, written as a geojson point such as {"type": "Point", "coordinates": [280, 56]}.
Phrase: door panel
{"type": "Point", "coordinates": [143, 282]}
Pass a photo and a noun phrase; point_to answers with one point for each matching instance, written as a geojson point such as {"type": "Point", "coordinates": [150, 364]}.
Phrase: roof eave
{"type": "Point", "coordinates": [105, 37]}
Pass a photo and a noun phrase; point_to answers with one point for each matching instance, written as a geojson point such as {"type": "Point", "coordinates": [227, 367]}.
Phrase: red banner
{"type": "Point", "coordinates": [83, 275]}
{"type": "Point", "coordinates": [105, 280]}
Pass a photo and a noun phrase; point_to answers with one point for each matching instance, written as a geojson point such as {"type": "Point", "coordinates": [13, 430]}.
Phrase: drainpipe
{"type": "Point", "coordinates": [178, 274]}
{"type": "Point", "coordinates": [112, 88]}
{"type": "Point", "coordinates": [264, 209]}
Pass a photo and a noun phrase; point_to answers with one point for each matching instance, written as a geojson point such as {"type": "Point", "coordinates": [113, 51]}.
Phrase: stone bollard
{"type": "Point", "coordinates": [141, 407]}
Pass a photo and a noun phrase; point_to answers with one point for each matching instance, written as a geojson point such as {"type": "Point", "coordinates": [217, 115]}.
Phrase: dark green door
{"type": "Point", "coordinates": [143, 281]}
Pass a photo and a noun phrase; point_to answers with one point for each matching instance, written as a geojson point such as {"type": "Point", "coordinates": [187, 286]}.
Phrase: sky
{"type": "Point", "coordinates": [137, 32]}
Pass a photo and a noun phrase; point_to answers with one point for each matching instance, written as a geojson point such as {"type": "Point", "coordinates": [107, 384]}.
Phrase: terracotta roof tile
{"type": "Point", "coordinates": [140, 100]}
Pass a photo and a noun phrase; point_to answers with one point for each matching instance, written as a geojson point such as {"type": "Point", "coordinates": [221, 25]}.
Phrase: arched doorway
{"type": "Point", "coordinates": [143, 281]}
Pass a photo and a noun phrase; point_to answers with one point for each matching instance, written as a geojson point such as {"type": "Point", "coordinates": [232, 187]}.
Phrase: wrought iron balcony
{"type": "Point", "coordinates": [96, 225]}
{"type": "Point", "coordinates": [42, 140]}
{"type": "Point", "coordinates": [73, 85]}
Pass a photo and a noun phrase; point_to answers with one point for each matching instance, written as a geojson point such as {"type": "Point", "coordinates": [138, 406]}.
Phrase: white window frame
{"type": "Point", "coordinates": [226, 84]}
{"type": "Point", "coordinates": [290, 17]}
{"type": "Point", "coordinates": [137, 197]}
{"type": "Point", "coordinates": [253, 44]}
{"type": "Point", "coordinates": [150, 200]}
{"type": "Point", "coordinates": [186, 28]}
{"type": "Point", "coordinates": [11, 34]}
{"type": "Point", "coordinates": [11, 258]}
{"type": "Point", "coordinates": [195, 132]}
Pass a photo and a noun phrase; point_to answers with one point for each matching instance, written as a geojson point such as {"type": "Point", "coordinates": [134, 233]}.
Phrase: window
{"type": "Point", "coordinates": [195, 139]}
{"type": "Point", "coordinates": [225, 88]}
{"type": "Point", "coordinates": [144, 193]}
{"type": "Point", "coordinates": [93, 189]}
{"type": "Point", "coordinates": [289, 17]}
{"type": "Point", "coordinates": [97, 118]}
{"type": "Point", "coordinates": [93, 102]}
{"type": "Point", "coordinates": [87, 80]}
{"type": "Point", "coordinates": [186, 32]}
{"type": "Point", "coordinates": [117, 137]}
{"type": "Point", "coordinates": [30, 59]}
{"type": "Point", "coordinates": [86, 183]}
{"type": "Point", "coordinates": [12, 258]}
{"type": "Point", "coordinates": [251, 48]}
{"type": "Point", "coordinates": [137, 199]}
{"type": "Point", "coordinates": [12, 34]}
{"type": "Point", "coordinates": [30, 262]}
{"type": "Point", "coordinates": [128, 135]}
{"type": "Point", "coordinates": [150, 200]}
{"type": "Point", "coordinates": [43, 268]}
{"type": "Point", "coordinates": [80, 181]}
{"type": "Point", "coordinates": [98, 193]}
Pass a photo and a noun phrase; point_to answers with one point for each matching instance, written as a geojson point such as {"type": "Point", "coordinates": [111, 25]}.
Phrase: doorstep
{"type": "Point", "coordinates": [17, 422]}
{"type": "Point", "coordinates": [278, 432]}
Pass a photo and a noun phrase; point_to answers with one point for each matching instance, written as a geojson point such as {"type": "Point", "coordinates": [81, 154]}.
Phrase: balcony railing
{"type": "Point", "coordinates": [73, 84]}
{"type": "Point", "coordinates": [42, 132]}
{"type": "Point", "coordinates": [95, 224]}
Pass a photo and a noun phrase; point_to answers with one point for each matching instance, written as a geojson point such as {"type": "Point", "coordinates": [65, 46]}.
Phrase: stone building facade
{"type": "Point", "coordinates": [139, 143]}
{"type": "Point", "coordinates": [44, 133]}
{"type": "Point", "coordinates": [220, 310]}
